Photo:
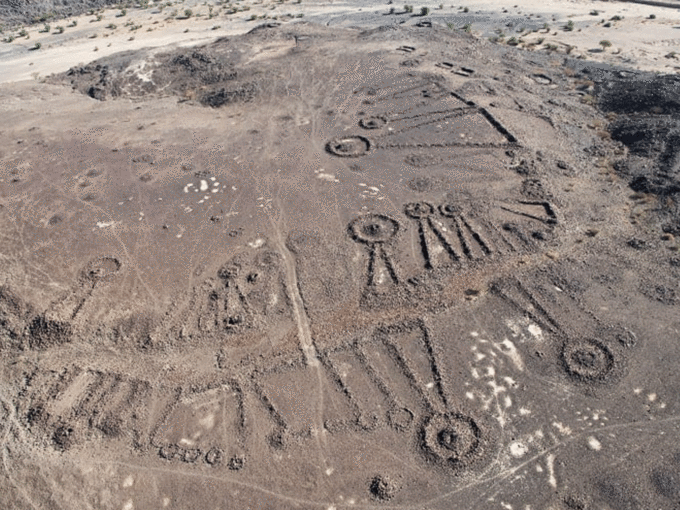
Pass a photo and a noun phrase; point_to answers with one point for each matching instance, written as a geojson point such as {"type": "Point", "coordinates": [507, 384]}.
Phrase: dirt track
{"type": "Point", "coordinates": [311, 267]}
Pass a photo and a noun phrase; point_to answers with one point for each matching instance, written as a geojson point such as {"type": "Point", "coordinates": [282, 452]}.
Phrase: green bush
{"type": "Point", "coordinates": [36, 46]}
{"type": "Point", "coordinates": [408, 8]}
{"type": "Point", "coordinates": [424, 11]}
{"type": "Point", "coordinates": [605, 44]}
{"type": "Point", "coordinates": [122, 13]}
{"type": "Point", "coordinates": [570, 26]}
{"type": "Point", "coordinates": [467, 27]}
{"type": "Point", "coordinates": [59, 30]}
{"type": "Point", "coordinates": [45, 29]}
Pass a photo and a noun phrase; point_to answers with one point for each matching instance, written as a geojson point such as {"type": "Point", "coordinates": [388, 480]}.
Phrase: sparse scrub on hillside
{"type": "Point", "coordinates": [44, 17]}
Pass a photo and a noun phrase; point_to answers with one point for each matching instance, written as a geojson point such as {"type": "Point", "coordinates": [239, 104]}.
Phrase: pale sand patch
{"type": "Point", "coordinates": [637, 41]}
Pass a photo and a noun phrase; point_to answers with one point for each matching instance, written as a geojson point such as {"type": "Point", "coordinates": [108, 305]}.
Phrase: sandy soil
{"type": "Point", "coordinates": [319, 267]}
{"type": "Point", "coordinates": [637, 41]}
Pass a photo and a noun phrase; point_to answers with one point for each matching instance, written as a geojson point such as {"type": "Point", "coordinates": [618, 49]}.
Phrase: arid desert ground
{"type": "Point", "coordinates": [337, 255]}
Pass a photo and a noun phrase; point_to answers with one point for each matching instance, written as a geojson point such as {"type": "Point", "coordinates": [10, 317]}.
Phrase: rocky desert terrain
{"type": "Point", "coordinates": [341, 260]}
